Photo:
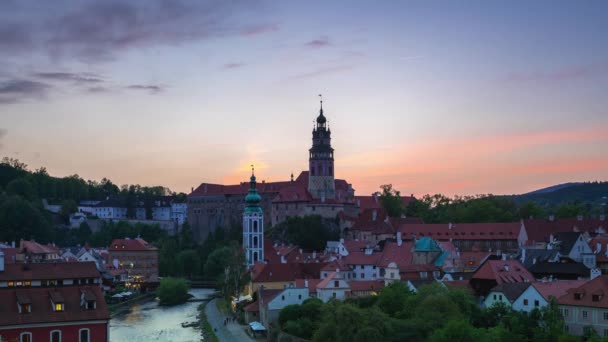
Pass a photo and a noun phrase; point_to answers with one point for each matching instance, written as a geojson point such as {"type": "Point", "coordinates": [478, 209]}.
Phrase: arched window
{"type": "Point", "coordinates": [255, 242]}
{"type": "Point", "coordinates": [25, 337]}
{"type": "Point", "coordinates": [255, 257]}
{"type": "Point", "coordinates": [83, 335]}
{"type": "Point", "coordinates": [255, 226]}
{"type": "Point", "coordinates": [56, 336]}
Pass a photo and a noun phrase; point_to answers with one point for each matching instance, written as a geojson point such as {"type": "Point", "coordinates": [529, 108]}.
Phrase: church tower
{"type": "Point", "coordinates": [253, 225]}
{"type": "Point", "coordinates": [321, 183]}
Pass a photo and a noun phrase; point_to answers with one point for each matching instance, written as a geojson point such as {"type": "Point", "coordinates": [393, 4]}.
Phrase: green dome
{"type": "Point", "coordinates": [253, 199]}
{"type": "Point", "coordinates": [426, 244]}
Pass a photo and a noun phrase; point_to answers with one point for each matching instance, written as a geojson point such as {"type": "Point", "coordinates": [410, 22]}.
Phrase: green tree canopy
{"type": "Point", "coordinates": [172, 291]}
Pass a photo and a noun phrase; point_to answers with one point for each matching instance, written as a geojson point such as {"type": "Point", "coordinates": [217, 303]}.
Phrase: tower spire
{"type": "Point", "coordinates": [321, 100]}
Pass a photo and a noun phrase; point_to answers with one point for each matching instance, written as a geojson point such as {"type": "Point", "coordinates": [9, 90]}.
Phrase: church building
{"type": "Point", "coordinates": [313, 192]}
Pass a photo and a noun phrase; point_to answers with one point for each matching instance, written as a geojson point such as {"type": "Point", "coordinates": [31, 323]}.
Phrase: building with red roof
{"type": "Point", "coordinates": [540, 230]}
{"type": "Point", "coordinates": [495, 272]}
{"type": "Point", "coordinates": [139, 258]}
{"type": "Point", "coordinates": [32, 251]}
{"type": "Point", "coordinates": [59, 301]}
{"type": "Point", "coordinates": [586, 307]}
{"type": "Point", "coordinates": [314, 192]}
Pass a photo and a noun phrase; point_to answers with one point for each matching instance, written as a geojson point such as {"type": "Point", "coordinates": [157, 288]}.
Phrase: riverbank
{"type": "Point", "coordinates": [123, 307]}
{"type": "Point", "coordinates": [206, 329]}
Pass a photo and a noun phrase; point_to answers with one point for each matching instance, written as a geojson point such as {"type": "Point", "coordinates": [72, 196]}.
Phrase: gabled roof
{"type": "Point", "coordinates": [503, 271]}
{"type": "Point", "coordinates": [592, 293]}
{"type": "Point", "coordinates": [373, 220]}
{"type": "Point", "coordinates": [360, 258]}
{"type": "Point", "coordinates": [556, 288]}
{"type": "Point", "coordinates": [567, 240]}
{"type": "Point", "coordinates": [252, 307]}
{"type": "Point", "coordinates": [400, 255]}
{"type": "Point", "coordinates": [267, 295]}
{"type": "Point", "coordinates": [49, 271]}
{"type": "Point", "coordinates": [42, 311]}
{"type": "Point", "coordinates": [294, 192]}
{"type": "Point", "coordinates": [538, 255]}
{"type": "Point", "coordinates": [330, 277]}
{"type": "Point", "coordinates": [312, 284]}
{"type": "Point", "coordinates": [511, 290]}
{"type": "Point", "coordinates": [601, 254]}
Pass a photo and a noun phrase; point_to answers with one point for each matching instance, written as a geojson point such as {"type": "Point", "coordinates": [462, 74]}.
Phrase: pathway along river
{"type": "Point", "coordinates": [150, 322]}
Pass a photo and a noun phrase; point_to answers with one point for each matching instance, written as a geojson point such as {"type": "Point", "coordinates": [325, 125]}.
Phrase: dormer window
{"type": "Point", "coordinates": [57, 301]}
{"type": "Point", "coordinates": [24, 303]}
{"type": "Point", "coordinates": [596, 298]}
{"type": "Point", "coordinates": [87, 301]}
{"type": "Point", "coordinates": [578, 296]}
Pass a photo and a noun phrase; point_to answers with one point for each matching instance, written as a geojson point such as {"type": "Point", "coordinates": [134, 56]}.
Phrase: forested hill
{"type": "Point", "coordinates": [591, 193]}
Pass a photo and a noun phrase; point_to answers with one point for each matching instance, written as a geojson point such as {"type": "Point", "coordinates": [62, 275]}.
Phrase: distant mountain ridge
{"type": "Point", "coordinates": [552, 188]}
{"type": "Point", "coordinates": [594, 193]}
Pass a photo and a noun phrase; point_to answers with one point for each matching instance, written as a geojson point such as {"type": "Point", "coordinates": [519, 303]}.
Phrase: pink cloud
{"type": "Point", "coordinates": [568, 73]}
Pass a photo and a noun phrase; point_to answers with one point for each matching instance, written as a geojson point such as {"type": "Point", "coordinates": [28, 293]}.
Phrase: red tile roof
{"type": "Point", "coordinates": [262, 273]}
{"type": "Point", "coordinates": [293, 193]}
{"type": "Point", "coordinates": [462, 231]}
{"type": "Point", "coordinates": [365, 285]}
{"type": "Point", "coordinates": [557, 288]}
{"type": "Point", "coordinates": [49, 271]}
{"type": "Point", "coordinates": [539, 230]}
{"type": "Point", "coordinates": [601, 254]}
{"type": "Point", "coordinates": [400, 255]}
{"type": "Point", "coordinates": [42, 311]}
{"type": "Point", "coordinates": [373, 220]}
{"type": "Point", "coordinates": [354, 245]}
{"type": "Point", "coordinates": [592, 293]}
{"type": "Point", "coordinates": [360, 258]}
{"type": "Point", "coordinates": [130, 245]}
{"type": "Point", "coordinates": [34, 247]}
{"type": "Point", "coordinates": [312, 284]}
{"type": "Point", "coordinates": [503, 271]}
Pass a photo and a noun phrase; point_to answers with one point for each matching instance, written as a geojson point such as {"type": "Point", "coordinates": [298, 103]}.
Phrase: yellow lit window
{"type": "Point", "coordinates": [59, 307]}
{"type": "Point", "coordinates": [11, 283]}
{"type": "Point", "coordinates": [28, 283]}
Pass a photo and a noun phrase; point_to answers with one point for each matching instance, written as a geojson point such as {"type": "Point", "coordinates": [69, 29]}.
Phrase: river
{"type": "Point", "coordinates": [150, 322]}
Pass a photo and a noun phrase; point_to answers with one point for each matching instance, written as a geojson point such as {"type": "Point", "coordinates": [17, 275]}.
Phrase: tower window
{"type": "Point", "coordinates": [331, 171]}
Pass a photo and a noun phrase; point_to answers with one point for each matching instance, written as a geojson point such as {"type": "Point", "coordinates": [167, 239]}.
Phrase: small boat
{"type": "Point", "coordinates": [189, 324]}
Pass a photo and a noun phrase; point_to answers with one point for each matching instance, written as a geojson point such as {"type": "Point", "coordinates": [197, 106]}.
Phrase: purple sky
{"type": "Point", "coordinates": [432, 96]}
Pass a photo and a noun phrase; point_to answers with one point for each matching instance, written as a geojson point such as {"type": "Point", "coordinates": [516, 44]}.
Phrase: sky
{"type": "Point", "coordinates": [467, 97]}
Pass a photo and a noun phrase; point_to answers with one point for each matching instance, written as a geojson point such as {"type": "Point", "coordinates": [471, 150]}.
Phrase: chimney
{"type": "Point", "coordinates": [342, 240]}
{"type": "Point", "coordinates": [523, 255]}
{"type": "Point", "coordinates": [450, 226]}
{"type": "Point", "coordinates": [552, 217]}
{"type": "Point", "coordinates": [504, 257]}
{"type": "Point", "coordinates": [375, 196]}
{"type": "Point", "coordinates": [534, 261]}
{"type": "Point", "coordinates": [598, 247]}
{"type": "Point", "coordinates": [374, 215]}
{"type": "Point", "coordinates": [1, 261]}
{"type": "Point", "coordinates": [579, 217]}
{"type": "Point", "coordinates": [306, 283]}
{"type": "Point", "coordinates": [314, 254]}
{"type": "Point", "coordinates": [13, 244]}
{"type": "Point", "coordinates": [399, 241]}
{"type": "Point", "coordinates": [283, 260]}
{"type": "Point", "coordinates": [507, 267]}
{"type": "Point", "coordinates": [192, 189]}
{"type": "Point", "coordinates": [595, 272]}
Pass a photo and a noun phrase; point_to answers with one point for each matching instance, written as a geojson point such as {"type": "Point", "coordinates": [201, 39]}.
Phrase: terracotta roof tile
{"type": "Point", "coordinates": [42, 312]}
{"type": "Point", "coordinates": [131, 245]}
{"type": "Point", "coordinates": [49, 271]}
{"type": "Point", "coordinates": [503, 271]}
{"type": "Point", "coordinates": [462, 231]}
{"type": "Point", "coordinates": [592, 293]}
{"type": "Point", "coordinates": [557, 288]}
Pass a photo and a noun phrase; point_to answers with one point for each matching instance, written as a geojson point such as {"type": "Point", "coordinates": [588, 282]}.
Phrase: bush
{"type": "Point", "coordinates": [172, 291]}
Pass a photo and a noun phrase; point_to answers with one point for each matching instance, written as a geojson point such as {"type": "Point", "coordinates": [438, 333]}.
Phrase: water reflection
{"type": "Point", "coordinates": [150, 322]}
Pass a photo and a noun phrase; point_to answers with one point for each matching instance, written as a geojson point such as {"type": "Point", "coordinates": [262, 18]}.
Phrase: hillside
{"type": "Point", "coordinates": [595, 193]}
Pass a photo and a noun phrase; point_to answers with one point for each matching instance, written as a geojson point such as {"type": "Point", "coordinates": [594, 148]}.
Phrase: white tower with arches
{"type": "Point", "coordinates": [253, 225]}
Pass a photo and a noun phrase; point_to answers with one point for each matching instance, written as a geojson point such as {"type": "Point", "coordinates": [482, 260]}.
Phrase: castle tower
{"type": "Point", "coordinates": [253, 225]}
{"type": "Point", "coordinates": [321, 183]}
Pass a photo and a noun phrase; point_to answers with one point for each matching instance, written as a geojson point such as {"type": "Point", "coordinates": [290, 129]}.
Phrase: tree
{"type": "Point", "coordinates": [68, 207]}
{"type": "Point", "coordinates": [308, 232]}
{"type": "Point", "coordinates": [393, 297]}
{"type": "Point", "coordinates": [21, 187]}
{"type": "Point", "coordinates": [456, 331]}
{"type": "Point", "coordinates": [172, 291]}
{"type": "Point", "coordinates": [188, 263]}
{"type": "Point", "coordinates": [19, 219]}
{"type": "Point", "coordinates": [530, 210]}
{"type": "Point", "coordinates": [391, 201]}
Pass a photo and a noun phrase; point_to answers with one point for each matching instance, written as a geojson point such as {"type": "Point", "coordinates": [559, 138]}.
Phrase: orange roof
{"type": "Point", "coordinates": [34, 247]}
{"type": "Point", "coordinates": [401, 255]}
